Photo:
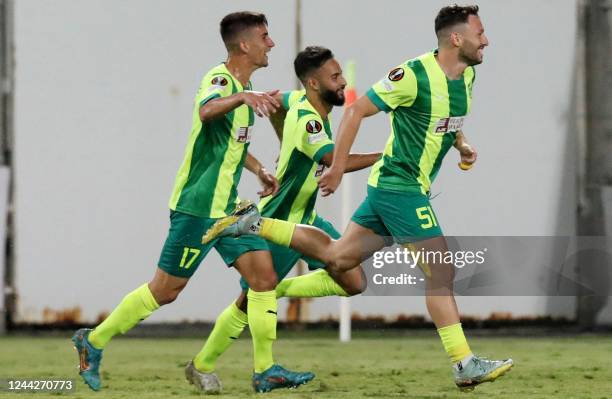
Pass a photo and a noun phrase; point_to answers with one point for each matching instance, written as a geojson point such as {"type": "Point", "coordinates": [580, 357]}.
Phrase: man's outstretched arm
{"type": "Point", "coordinates": [351, 120]}
{"type": "Point", "coordinates": [263, 104]}
{"type": "Point", "coordinates": [277, 119]}
{"type": "Point", "coordinates": [355, 161]}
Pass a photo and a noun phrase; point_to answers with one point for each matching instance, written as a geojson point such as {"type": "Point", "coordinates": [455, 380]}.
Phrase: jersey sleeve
{"type": "Point", "coordinates": [291, 97]}
{"type": "Point", "coordinates": [470, 77]}
{"type": "Point", "coordinates": [311, 137]}
{"type": "Point", "coordinates": [399, 87]}
{"type": "Point", "coordinates": [214, 86]}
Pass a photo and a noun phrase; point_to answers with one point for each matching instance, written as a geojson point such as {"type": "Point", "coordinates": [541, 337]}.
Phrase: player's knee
{"type": "Point", "coordinates": [363, 285]}
{"type": "Point", "coordinates": [336, 266]}
{"type": "Point", "coordinates": [165, 295]}
{"type": "Point", "coordinates": [165, 287]}
{"type": "Point", "coordinates": [341, 263]}
{"type": "Point", "coordinates": [354, 289]}
{"type": "Point", "coordinates": [264, 282]}
{"type": "Point", "coordinates": [242, 301]}
{"type": "Point", "coordinates": [357, 287]}
{"type": "Point", "coordinates": [168, 297]}
{"type": "Point", "coordinates": [440, 275]}
{"type": "Point", "coordinates": [333, 258]}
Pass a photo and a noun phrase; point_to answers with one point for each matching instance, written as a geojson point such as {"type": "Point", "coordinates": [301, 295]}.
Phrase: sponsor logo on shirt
{"type": "Point", "coordinates": [396, 74]}
{"type": "Point", "coordinates": [386, 83]}
{"type": "Point", "coordinates": [243, 134]}
{"type": "Point", "coordinates": [449, 125]}
{"type": "Point", "coordinates": [213, 88]}
{"type": "Point", "coordinates": [313, 126]}
{"type": "Point", "coordinates": [315, 138]}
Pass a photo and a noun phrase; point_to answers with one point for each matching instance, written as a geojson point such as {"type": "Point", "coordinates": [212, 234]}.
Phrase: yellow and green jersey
{"type": "Point", "coordinates": [306, 139]}
{"type": "Point", "coordinates": [291, 97]}
{"type": "Point", "coordinates": [206, 182]}
{"type": "Point", "coordinates": [426, 111]}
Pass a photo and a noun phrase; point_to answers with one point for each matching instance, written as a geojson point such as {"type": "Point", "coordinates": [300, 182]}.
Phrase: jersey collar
{"type": "Point", "coordinates": [236, 81]}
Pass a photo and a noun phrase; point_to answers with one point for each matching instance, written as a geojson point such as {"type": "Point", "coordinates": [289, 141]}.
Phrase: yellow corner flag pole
{"type": "Point", "coordinates": [350, 95]}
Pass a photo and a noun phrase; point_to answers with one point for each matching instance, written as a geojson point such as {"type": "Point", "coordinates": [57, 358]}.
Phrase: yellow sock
{"type": "Point", "coordinates": [278, 231]}
{"type": "Point", "coordinates": [261, 313]}
{"type": "Point", "coordinates": [311, 285]}
{"type": "Point", "coordinates": [227, 329]}
{"type": "Point", "coordinates": [136, 306]}
{"type": "Point", "coordinates": [454, 342]}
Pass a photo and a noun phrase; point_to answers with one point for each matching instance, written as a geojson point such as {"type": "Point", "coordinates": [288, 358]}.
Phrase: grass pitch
{"type": "Point", "coordinates": [371, 366]}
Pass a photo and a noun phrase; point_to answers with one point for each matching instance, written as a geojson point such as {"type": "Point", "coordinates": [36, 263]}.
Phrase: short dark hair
{"type": "Point", "coordinates": [452, 15]}
{"type": "Point", "coordinates": [236, 22]}
{"type": "Point", "coordinates": [309, 59]}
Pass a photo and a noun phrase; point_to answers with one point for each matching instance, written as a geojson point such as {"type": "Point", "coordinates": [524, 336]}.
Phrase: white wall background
{"type": "Point", "coordinates": [103, 106]}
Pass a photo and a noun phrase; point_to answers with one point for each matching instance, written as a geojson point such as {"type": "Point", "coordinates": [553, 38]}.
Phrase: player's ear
{"type": "Point", "coordinates": [244, 46]}
{"type": "Point", "coordinates": [246, 38]}
{"type": "Point", "coordinates": [456, 35]}
{"type": "Point", "coordinates": [313, 83]}
{"type": "Point", "coordinates": [455, 39]}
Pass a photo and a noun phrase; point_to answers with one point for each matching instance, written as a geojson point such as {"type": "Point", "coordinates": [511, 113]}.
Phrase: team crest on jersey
{"type": "Point", "coordinates": [396, 74]}
{"type": "Point", "coordinates": [219, 81]}
{"type": "Point", "coordinates": [313, 126]}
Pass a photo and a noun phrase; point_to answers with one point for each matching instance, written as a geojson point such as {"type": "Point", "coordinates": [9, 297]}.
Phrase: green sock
{"type": "Point", "coordinates": [311, 285]}
{"type": "Point", "coordinates": [228, 327]}
{"type": "Point", "coordinates": [278, 231]}
{"type": "Point", "coordinates": [136, 306]}
{"type": "Point", "coordinates": [261, 311]}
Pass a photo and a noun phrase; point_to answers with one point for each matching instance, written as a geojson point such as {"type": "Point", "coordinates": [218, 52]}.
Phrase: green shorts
{"type": "Point", "coordinates": [405, 216]}
{"type": "Point", "coordinates": [183, 250]}
{"type": "Point", "coordinates": [285, 258]}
